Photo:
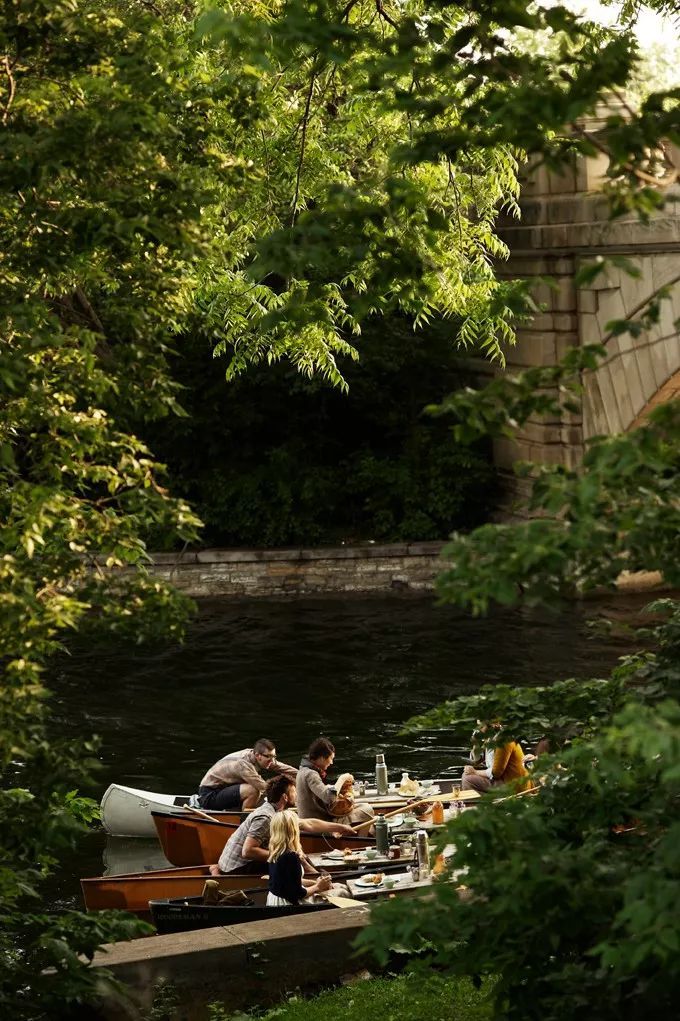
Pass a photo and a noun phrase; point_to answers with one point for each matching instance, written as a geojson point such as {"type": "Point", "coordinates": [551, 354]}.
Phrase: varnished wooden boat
{"type": "Point", "coordinates": [126, 811]}
{"type": "Point", "coordinates": [185, 914]}
{"type": "Point", "coordinates": [186, 840]}
{"type": "Point", "coordinates": [132, 892]}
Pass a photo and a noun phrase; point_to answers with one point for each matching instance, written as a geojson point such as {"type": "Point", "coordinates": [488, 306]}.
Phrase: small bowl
{"type": "Point", "coordinates": [389, 884]}
{"type": "Point", "coordinates": [371, 853]}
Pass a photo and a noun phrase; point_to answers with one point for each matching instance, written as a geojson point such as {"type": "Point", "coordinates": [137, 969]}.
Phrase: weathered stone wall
{"type": "Point", "coordinates": [565, 223]}
{"type": "Point", "coordinates": [403, 567]}
{"type": "Point", "coordinates": [239, 966]}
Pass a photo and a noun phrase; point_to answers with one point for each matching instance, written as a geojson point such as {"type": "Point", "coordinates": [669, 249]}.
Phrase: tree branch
{"type": "Point", "coordinates": [12, 85]}
{"type": "Point", "coordinates": [657, 182]}
{"type": "Point", "coordinates": [348, 10]}
{"type": "Point", "coordinates": [94, 318]}
{"type": "Point", "coordinates": [303, 143]}
{"type": "Point", "coordinates": [384, 15]}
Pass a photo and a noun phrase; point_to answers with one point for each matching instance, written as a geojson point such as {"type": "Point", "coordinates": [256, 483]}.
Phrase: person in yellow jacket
{"type": "Point", "coordinates": [504, 763]}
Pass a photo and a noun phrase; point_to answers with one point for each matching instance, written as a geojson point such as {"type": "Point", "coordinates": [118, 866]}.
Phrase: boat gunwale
{"type": "Point", "coordinates": [200, 821]}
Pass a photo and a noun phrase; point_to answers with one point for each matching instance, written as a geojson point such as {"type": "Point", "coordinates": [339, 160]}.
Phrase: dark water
{"type": "Point", "coordinates": [353, 669]}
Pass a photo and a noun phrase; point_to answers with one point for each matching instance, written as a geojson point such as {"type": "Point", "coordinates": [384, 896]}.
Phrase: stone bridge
{"type": "Point", "coordinates": [565, 223]}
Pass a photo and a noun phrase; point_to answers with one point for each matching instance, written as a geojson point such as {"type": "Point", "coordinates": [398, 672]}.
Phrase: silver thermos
{"type": "Point", "coordinates": [423, 853]}
{"type": "Point", "coordinates": [381, 774]}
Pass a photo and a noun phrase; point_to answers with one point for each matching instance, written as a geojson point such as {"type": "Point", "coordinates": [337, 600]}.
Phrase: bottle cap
{"type": "Point", "coordinates": [380, 758]}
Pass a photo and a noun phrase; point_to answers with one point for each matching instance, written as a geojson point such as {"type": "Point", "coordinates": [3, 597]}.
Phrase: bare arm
{"type": "Point", "coordinates": [253, 851]}
{"type": "Point", "coordinates": [322, 826]}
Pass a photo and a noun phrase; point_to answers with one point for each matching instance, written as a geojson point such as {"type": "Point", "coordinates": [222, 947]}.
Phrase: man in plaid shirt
{"type": "Point", "coordinates": [248, 846]}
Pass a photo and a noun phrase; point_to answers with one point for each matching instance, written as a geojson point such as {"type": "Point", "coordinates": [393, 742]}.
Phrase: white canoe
{"type": "Point", "coordinates": [126, 811]}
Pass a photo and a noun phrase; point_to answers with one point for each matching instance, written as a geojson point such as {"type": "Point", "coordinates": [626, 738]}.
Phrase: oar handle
{"type": "Point", "coordinates": [205, 815]}
{"type": "Point", "coordinates": [429, 799]}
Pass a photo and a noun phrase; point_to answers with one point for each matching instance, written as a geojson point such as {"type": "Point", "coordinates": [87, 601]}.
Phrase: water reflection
{"type": "Point", "coordinates": [354, 669]}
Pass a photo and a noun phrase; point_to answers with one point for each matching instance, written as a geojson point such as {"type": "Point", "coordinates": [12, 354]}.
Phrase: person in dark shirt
{"type": "Point", "coordinates": [286, 883]}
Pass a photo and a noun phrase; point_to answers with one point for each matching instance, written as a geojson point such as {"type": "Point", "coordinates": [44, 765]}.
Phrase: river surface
{"type": "Point", "coordinates": [351, 669]}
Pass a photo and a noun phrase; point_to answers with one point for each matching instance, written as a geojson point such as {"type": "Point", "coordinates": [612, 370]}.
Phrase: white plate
{"type": "Point", "coordinates": [336, 855]}
{"type": "Point", "coordinates": [367, 884]}
{"type": "Point", "coordinates": [395, 820]}
{"type": "Point", "coordinates": [423, 792]}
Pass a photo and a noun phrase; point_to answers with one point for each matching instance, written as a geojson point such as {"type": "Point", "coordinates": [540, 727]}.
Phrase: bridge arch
{"type": "Point", "coordinates": [670, 391]}
{"type": "Point", "coordinates": [637, 371]}
{"type": "Point", "coordinates": [565, 223]}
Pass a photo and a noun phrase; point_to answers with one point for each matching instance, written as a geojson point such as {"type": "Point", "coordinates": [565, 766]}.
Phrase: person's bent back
{"type": "Point", "coordinates": [234, 782]}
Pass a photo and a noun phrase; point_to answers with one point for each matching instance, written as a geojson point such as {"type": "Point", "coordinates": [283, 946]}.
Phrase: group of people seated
{"type": "Point", "coordinates": [269, 836]}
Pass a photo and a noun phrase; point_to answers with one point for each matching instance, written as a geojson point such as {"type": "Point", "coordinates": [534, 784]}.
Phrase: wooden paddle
{"type": "Point", "coordinates": [460, 796]}
{"type": "Point", "coordinates": [517, 794]}
{"type": "Point", "coordinates": [204, 815]}
{"type": "Point", "coordinates": [344, 902]}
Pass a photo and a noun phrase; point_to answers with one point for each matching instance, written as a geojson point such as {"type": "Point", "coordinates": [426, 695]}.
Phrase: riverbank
{"type": "Point", "coordinates": [366, 568]}
{"type": "Point", "coordinates": [241, 966]}
{"type": "Point", "coordinates": [213, 973]}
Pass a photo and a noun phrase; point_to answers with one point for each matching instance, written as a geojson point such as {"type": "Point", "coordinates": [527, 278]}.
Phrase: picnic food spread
{"type": "Point", "coordinates": [408, 786]}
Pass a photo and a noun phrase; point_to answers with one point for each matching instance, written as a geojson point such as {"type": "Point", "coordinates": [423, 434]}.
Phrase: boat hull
{"type": "Point", "coordinates": [186, 841]}
{"type": "Point", "coordinates": [132, 892]}
{"type": "Point", "coordinates": [126, 811]}
{"type": "Point", "coordinates": [184, 915]}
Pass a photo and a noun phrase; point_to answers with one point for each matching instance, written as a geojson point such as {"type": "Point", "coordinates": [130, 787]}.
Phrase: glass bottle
{"type": "Point", "coordinates": [437, 813]}
{"type": "Point", "coordinates": [381, 774]}
{"type": "Point", "coordinates": [423, 852]}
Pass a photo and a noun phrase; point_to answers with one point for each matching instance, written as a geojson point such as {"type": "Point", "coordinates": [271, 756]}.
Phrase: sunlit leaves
{"type": "Point", "coordinates": [100, 201]}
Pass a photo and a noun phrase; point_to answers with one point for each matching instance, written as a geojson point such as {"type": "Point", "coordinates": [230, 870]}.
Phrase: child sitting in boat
{"type": "Point", "coordinates": [286, 884]}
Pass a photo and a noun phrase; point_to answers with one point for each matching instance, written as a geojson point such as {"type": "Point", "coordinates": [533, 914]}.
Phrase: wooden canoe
{"type": "Point", "coordinates": [185, 914]}
{"type": "Point", "coordinates": [126, 811]}
{"type": "Point", "coordinates": [186, 840]}
{"type": "Point", "coordinates": [133, 891]}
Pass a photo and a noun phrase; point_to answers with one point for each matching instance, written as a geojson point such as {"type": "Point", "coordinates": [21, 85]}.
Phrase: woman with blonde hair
{"type": "Point", "coordinates": [286, 885]}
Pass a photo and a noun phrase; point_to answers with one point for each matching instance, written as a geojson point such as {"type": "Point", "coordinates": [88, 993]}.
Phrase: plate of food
{"type": "Point", "coordinates": [412, 792]}
{"type": "Point", "coordinates": [336, 855]}
{"type": "Point", "coordinates": [372, 881]}
{"type": "Point", "coordinates": [418, 792]}
{"type": "Point", "coordinates": [408, 788]}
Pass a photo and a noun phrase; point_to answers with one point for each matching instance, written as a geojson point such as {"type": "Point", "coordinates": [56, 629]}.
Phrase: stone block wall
{"type": "Point", "coordinates": [565, 223]}
{"type": "Point", "coordinates": [370, 568]}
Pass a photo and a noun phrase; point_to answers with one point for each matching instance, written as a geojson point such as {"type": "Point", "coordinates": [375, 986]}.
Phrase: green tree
{"type": "Point", "coordinates": [288, 171]}
{"type": "Point", "coordinates": [567, 891]}
{"type": "Point", "coordinates": [327, 225]}
{"type": "Point", "coordinates": [100, 211]}
{"type": "Point", "coordinates": [274, 458]}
